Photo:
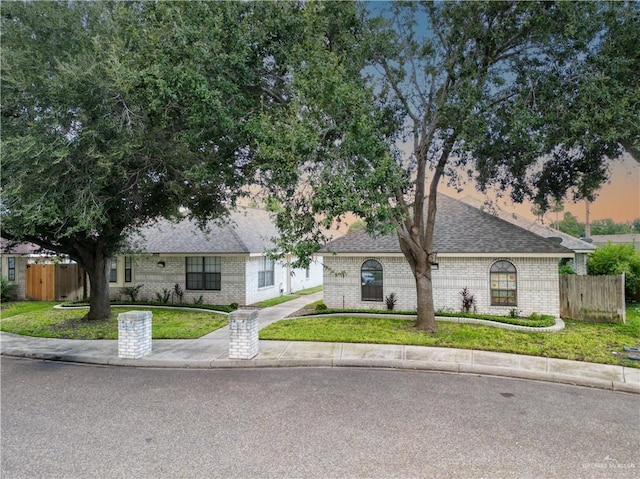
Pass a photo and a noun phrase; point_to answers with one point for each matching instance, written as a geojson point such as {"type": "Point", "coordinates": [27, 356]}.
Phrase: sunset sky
{"type": "Point", "coordinates": [619, 199]}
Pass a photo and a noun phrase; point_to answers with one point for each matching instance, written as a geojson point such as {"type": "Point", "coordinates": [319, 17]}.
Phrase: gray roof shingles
{"type": "Point", "coordinates": [248, 230]}
{"type": "Point", "coordinates": [460, 228]}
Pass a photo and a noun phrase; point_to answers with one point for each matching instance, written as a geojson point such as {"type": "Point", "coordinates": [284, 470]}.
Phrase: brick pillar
{"type": "Point", "coordinates": [243, 334]}
{"type": "Point", "coordinates": [134, 334]}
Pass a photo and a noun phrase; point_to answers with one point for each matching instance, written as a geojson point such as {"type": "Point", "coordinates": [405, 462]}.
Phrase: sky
{"type": "Point", "coordinates": [619, 199]}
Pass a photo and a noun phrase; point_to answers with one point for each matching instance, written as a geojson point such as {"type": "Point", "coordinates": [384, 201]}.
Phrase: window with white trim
{"type": "Point", "coordinates": [265, 273]}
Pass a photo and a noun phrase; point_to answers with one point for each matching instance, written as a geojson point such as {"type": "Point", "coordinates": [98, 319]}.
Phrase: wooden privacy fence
{"type": "Point", "coordinates": [54, 282]}
{"type": "Point", "coordinates": [595, 299]}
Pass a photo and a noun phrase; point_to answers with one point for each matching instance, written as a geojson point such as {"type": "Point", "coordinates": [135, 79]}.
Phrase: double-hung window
{"type": "Point", "coordinates": [204, 273]}
{"type": "Point", "coordinates": [113, 270]}
{"type": "Point", "coordinates": [127, 269]}
{"type": "Point", "coordinates": [11, 269]}
{"type": "Point", "coordinates": [265, 273]}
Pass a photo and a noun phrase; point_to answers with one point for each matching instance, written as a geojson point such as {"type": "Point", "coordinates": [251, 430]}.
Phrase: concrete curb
{"type": "Point", "coordinates": [148, 306]}
{"type": "Point", "coordinates": [558, 326]}
{"type": "Point", "coordinates": [397, 364]}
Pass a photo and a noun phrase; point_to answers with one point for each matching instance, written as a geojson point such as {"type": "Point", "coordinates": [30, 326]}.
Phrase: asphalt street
{"type": "Point", "coordinates": [79, 421]}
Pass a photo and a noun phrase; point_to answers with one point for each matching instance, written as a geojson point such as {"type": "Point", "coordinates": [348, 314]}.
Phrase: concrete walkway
{"type": "Point", "coordinates": [211, 351]}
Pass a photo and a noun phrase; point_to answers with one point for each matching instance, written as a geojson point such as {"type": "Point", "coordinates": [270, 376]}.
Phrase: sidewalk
{"type": "Point", "coordinates": [211, 351]}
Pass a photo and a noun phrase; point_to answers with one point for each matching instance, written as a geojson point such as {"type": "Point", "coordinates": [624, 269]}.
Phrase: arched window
{"type": "Point", "coordinates": [371, 280]}
{"type": "Point", "coordinates": [504, 285]}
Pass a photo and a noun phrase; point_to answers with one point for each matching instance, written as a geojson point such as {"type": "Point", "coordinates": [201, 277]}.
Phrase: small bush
{"type": "Point", "coordinates": [7, 290]}
{"type": "Point", "coordinates": [617, 259]}
{"type": "Point", "coordinates": [164, 296]}
{"type": "Point", "coordinates": [514, 313]}
{"type": "Point", "coordinates": [199, 300]}
{"type": "Point", "coordinates": [234, 306]}
{"type": "Point", "coordinates": [391, 301]}
{"type": "Point", "coordinates": [321, 307]}
{"type": "Point", "coordinates": [132, 292]}
{"type": "Point", "coordinates": [468, 301]}
{"type": "Point", "coordinates": [178, 292]}
{"type": "Point", "coordinates": [566, 268]}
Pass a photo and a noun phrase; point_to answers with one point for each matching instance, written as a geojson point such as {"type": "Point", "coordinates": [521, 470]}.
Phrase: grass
{"type": "Point", "coordinates": [288, 297]}
{"type": "Point", "coordinates": [539, 321]}
{"type": "Point", "coordinates": [578, 341]}
{"type": "Point", "coordinates": [21, 307]}
{"type": "Point", "coordinates": [43, 321]}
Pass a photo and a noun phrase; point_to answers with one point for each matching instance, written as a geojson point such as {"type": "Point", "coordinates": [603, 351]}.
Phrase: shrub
{"type": "Point", "coordinates": [617, 259]}
{"type": "Point", "coordinates": [178, 292]}
{"type": "Point", "coordinates": [468, 301]}
{"type": "Point", "coordinates": [131, 292]}
{"type": "Point", "coordinates": [164, 296]}
{"type": "Point", "coordinates": [391, 301]}
{"type": "Point", "coordinates": [234, 306]}
{"type": "Point", "coordinates": [566, 268]}
{"type": "Point", "coordinates": [321, 307]}
{"type": "Point", "coordinates": [7, 290]}
{"type": "Point", "coordinates": [199, 300]}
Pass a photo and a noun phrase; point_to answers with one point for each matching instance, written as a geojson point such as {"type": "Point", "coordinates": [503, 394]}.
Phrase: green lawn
{"type": "Point", "coordinates": [578, 341]}
{"type": "Point", "coordinates": [41, 320]}
{"type": "Point", "coordinates": [287, 297]}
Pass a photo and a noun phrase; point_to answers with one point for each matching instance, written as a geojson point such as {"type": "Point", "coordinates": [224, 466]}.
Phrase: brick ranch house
{"type": "Point", "coordinates": [224, 264]}
{"type": "Point", "coordinates": [504, 266]}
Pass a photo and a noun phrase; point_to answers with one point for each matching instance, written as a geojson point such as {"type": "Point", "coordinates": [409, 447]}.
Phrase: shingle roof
{"type": "Point", "coordinates": [6, 247]}
{"type": "Point", "coordinates": [460, 228]}
{"type": "Point", "coordinates": [629, 238]}
{"type": "Point", "coordinates": [568, 241]}
{"type": "Point", "coordinates": [248, 230]}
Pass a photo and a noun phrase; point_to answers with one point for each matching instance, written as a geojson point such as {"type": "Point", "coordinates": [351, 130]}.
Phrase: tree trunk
{"type": "Point", "coordinates": [426, 316]}
{"type": "Point", "coordinates": [99, 305]}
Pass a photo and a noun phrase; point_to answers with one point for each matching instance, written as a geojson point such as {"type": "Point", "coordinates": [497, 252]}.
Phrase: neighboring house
{"type": "Point", "coordinates": [222, 265]}
{"type": "Point", "coordinates": [631, 238]}
{"type": "Point", "coordinates": [13, 264]}
{"type": "Point", "coordinates": [37, 274]}
{"type": "Point", "coordinates": [579, 247]}
{"type": "Point", "coordinates": [504, 267]}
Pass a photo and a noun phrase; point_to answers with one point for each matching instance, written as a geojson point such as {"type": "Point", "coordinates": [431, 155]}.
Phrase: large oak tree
{"type": "Point", "coordinates": [384, 112]}
{"type": "Point", "coordinates": [117, 113]}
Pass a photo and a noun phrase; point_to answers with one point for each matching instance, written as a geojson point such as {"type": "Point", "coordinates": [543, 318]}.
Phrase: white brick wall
{"type": "Point", "coordinates": [243, 334]}
{"type": "Point", "coordinates": [538, 289]}
{"type": "Point", "coordinates": [134, 334]}
{"type": "Point", "coordinates": [239, 279]}
{"type": "Point", "coordinates": [146, 271]}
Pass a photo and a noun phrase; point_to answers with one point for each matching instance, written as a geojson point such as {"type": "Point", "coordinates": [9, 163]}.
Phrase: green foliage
{"type": "Point", "coordinates": [609, 227]}
{"type": "Point", "coordinates": [617, 259]}
{"type": "Point", "coordinates": [570, 225]}
{"type": "Point", "coordinates": [460, 86]}
{"type": "Point", "coordinates": [566, 268]}
{"type": "Point", "coordinates": [7, 290]}
{"type": "Point", "coordinates": [164, 296]}
{"type": "Point", "coordinates": [116, 113]}
{"type": "Point", "coordinates": [391, 301]}
{"type": "Point", "coordinates": [132, 292]}
{"type": "Point", "coordinates": [70, 324]}
{"type": "Point", "coordinates": [578, 341]}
